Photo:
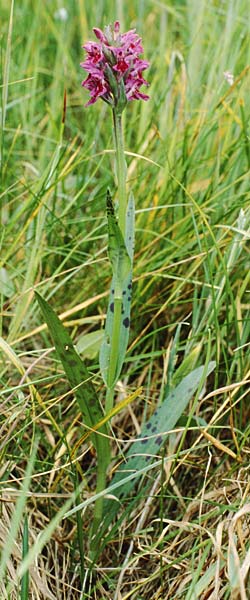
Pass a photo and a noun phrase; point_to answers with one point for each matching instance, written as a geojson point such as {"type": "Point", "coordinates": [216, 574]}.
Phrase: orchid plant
{"type": "Point", "coordinates": [115, 75]}
{"type": "Point", "coordinates": [115, 70]}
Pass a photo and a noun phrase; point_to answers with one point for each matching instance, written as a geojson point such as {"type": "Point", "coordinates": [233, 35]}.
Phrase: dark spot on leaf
{"type": "Point", "coordinates": [144, 441]}
{"type": "Point", "coordinates": [147, 458]}
{"type": "Point", "coordinates": [129, 286]}
{"type": "Point", "coordinates": [129, 298]}
{"type": "Point", "coordinates": [112, 291]}
{"type": "Point", "coordinates": [154, 429]}
{"type": "Point", "coordinates": [190, 390]}
{"type": "Point", "coordinates": [112, 307]}
{"type": "Point", "coordinates": [124, 293]}
{"type": "Point", "coordinates": [126, 322]}
{"type": "Point", "coordinates": [149, 425]}
{"type": "Point", "coordinates": [72, 362]}
{"type": "Point", "coordinates": [159, 440]}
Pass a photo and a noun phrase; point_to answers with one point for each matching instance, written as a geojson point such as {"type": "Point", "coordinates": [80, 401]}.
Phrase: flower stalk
{"type": "Point", "coordinates": [121, 169]}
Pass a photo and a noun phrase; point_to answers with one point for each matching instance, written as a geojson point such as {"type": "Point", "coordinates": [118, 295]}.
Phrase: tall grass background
{"type": "Point", "coordinates": [188, 154]}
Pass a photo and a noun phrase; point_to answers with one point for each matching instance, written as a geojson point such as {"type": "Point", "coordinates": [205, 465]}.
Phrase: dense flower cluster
{"type": "Point", "coordinates": [114, 67]}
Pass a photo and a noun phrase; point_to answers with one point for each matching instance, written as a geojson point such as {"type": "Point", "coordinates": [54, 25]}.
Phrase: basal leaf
{"type": "Point", "coordinates": [153, 436]}
{"type": "Point", "coordinates": [76, 372]}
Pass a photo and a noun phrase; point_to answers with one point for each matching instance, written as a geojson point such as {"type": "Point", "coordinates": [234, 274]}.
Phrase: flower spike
{"type": "Point", "coordinates": [114, 67]}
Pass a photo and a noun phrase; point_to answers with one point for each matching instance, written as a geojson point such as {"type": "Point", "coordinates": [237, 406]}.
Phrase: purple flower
{"type": "Point", "coordinates": [114, 67]}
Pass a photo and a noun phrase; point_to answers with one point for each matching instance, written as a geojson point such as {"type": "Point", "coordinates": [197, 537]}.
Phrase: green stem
{"type": "Point", "coordinates": [122, 207]}
{"type": "Point", "coordinates": [111, 377]}
{"type": "Point", "coordinates": [121, 171]}
{"type": "Point", "coordinates": [109, 399]}
{"type": "Point", "coordinates": [98, 508]}
{"type": "Point", "coordinates": [103, 461]}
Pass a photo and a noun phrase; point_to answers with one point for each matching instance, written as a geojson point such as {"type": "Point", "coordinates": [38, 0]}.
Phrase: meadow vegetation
{"type": "Point", "coordinates": [182, 529]}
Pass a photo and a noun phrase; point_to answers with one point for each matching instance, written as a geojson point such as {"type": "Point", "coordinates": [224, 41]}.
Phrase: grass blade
{"type": "Point", "coordinates": [17, 515]}
{"type": "Point", "coordinates": [25, 577]}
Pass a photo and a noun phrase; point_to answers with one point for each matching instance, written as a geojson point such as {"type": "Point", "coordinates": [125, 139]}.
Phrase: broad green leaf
{"type": "Point", "coordinates": [153, 436]}
{"type": "Point", "coordinates": [77, 375]}
{"type": "Point", "coordinates": [88, 344]}
{"type": "Point", "coordinates": [189, 362]}
{"type": "Point", "coordinates": [126, 304]}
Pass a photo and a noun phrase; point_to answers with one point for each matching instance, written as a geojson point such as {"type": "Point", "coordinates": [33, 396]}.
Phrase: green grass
{"type": "Point", "coordinates": [183, 532]}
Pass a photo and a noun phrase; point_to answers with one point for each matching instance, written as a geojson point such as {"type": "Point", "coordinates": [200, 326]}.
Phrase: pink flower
{"type": "Point", "coordinates": [114, 67]}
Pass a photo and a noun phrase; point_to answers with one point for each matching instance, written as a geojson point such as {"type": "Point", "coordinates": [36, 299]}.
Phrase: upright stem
{"type": "Point", "coordinates": [98, 508]}
{"type": "Point", "coordinates": [111, 376]}
{"type": "Point", "coordinates": [121, 171]}
{"type": "Point", "coordinates": [109, 401]}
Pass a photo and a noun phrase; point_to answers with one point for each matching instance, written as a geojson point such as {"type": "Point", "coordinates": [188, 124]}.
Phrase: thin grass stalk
{"type": "Point", "coordinates": [79, 523]}
{"type": "Point", "coordinates": [25, 549]}
{"type": "Point", "coordinates": [5, 90]}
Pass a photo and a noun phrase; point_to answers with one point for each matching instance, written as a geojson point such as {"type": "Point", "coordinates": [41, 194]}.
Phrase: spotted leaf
{"type": "Point", "coordinates": [117, 250]}
{"type": "Point", "coordinates": [126, 294]}
{"type": "Point", "coordinates": [77, 375]}
{"type": "Point", "coordinates": [147, 446]}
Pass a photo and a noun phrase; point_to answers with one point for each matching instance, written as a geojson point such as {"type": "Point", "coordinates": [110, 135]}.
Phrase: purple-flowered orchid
{"type": "Point", "coordinates": [114, 67]}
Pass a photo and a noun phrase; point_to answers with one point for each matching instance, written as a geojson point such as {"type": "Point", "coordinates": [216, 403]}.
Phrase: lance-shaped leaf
{"type": "Point", "coordinates": [118, 254]}
{"type": "Point", "coordinates": [152, 438]}
{"type": "Point", "coordinates": [77, 375]}
{"type": "Point", "coordinates": [126, 288]}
